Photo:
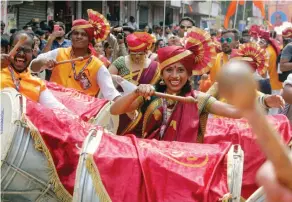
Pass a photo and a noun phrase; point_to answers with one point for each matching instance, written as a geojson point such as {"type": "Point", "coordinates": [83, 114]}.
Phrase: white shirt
{"type": "Point", "coordinates": [48, 100]}
{"type": "Point", "coordinates": [103, 77]}
{"type": "Point", "coordinates": [288, 80]}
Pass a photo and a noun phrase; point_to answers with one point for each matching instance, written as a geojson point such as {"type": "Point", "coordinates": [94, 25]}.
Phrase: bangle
{"type": "Point", "coordinates": [261, 100]}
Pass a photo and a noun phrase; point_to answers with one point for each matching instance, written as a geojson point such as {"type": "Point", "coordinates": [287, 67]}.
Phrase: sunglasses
{"type": "Point", "coordinates": [25, 50]}
{"type": "Point", "coordinates": [228, 40]}
{"type": "Point", "coordinates": [184, 27]}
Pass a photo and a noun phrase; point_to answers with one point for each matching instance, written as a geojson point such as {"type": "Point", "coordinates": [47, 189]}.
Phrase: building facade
{"type": "Point", "coordinates": [150, 13]}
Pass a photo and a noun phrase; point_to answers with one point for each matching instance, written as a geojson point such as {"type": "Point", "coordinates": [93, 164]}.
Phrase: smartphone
{"type": "Point", "coordinates": [56, 28]}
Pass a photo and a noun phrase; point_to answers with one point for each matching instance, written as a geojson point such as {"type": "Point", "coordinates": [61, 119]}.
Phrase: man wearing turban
{"type": "Point", "coordinates": [88, 75]}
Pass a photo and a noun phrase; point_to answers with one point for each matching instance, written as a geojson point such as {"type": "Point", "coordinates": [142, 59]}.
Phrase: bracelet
{"type": "Point", "coordinates": [262, 101]}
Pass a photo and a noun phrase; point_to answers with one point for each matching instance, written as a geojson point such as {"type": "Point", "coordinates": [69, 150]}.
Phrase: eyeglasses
{"type": "Point", "coordinates": [24, 49]}
{"type": "Point", "coordinates": [138, 53]}
{"type": "Point", "coordinates": [228, 40]}
{"type": "Point", "coordinates": [184, 27]}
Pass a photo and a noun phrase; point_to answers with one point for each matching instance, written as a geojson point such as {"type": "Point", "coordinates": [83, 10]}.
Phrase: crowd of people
{"type": "Point", "coordinates": [128, 65]}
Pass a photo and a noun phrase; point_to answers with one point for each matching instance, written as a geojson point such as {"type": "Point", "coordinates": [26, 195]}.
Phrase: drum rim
{"type": "Point", "coordinates": [255, 195]}
{"type": "Point", "coordinates": [106, 110]}
{"type": "Point", "coordinates": [87, 149]}
{"type": "Point", "coordinates": [15, 102]}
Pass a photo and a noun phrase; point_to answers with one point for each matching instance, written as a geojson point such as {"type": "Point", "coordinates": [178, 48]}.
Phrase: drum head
{"type": "Point", "coordinates": [10, 112]}
{"type": "Point", "coordinates": [105, 119]}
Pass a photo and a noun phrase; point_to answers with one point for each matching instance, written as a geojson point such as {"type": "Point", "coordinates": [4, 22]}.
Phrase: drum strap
{"type": "Point", "coordinates": [15, 81]}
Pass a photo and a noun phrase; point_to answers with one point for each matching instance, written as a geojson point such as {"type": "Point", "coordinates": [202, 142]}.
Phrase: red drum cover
{"type": "Point", "coordinates": [83, 105]}
{"type": "Point", "coordinates": [59, 136]}
{"type": "Point", "coordinates": [133, 169]}
{"type": "Point", "coordinates": [239, 132]}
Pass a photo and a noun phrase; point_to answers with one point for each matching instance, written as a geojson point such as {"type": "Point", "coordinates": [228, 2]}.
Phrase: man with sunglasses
{"type": "Point", "coordinates": [229, 41]}
{"type": "Point", "coordinates": [16, 74]}
{"type": "Point", "coordinates": [184, 24]}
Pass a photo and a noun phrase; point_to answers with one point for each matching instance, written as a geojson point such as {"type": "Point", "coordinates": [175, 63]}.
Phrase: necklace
{"type": "Point", "coordinates": [16, 81]}
{"type": "Point", "coordinates": [78, 76]}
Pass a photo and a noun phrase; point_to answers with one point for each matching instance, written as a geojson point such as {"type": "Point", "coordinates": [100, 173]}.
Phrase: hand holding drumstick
{"type": "Point", "coordinates": [237, 85]}
{"type": "Point", "coordinates": [6, 58]}
{"type": "Point", "coordinates": [50, 64]}
{"type": "Point", "coordinates": [21, 41]}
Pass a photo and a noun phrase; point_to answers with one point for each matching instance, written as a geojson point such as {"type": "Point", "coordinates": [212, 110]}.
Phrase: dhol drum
{"type": "Point", "coordinates": [89, 185]}
{"type": "Point", "coordinates": [24, 171]}
{"type": "Point", "coordinates": [105, 119]}
{"type": "Point", "coordinates": [258, 196]}
{"type": "Point", "coordinates": [95, 111]}
{"type": "Point", "coordinates": [84, 188]}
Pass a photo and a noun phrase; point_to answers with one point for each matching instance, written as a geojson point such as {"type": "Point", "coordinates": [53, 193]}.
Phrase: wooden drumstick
{"type": "Point", "coordinates": [236, 84]}
{"type": "Point", "coordinates": [176, 98]}
{"type": "Point", "coordinates": [20, 42]}
{"type": "Point", "coordinates": [68, 61]}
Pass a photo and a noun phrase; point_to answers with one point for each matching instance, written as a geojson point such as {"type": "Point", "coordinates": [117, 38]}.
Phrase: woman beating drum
{"type": "Point", "coordinates": [168, 120]}
{"type": "Point", "coordinates": [16, 74]}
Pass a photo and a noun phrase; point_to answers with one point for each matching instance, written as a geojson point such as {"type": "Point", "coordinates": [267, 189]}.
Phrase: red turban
{"type": "Point", "coordinates": [266, 35]}
{"type": "Point", "coordinates": [287, 33]}
{"type": "Point", "coordinates": [139, 41]}
{"type": "Point", "coordinates": [172, 54]}
{"type": "Point", "coordinates": [197, 56]}
{"type": "Point", "coordinates": [253, 54]}
{"type": "Point", "coordinates": [254, 31]}
{"type": "Point", "coordinates": [97, 27]}
{"type": "Point", "coordinates": [204, 53]}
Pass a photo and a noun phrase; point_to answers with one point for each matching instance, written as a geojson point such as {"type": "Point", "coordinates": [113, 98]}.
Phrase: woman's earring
{"type": "Point", "coordinates": [162, 82]}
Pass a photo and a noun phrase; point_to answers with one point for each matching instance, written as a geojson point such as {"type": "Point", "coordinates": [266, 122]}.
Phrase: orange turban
{"type": "Point", "coordinates": [139, 41]}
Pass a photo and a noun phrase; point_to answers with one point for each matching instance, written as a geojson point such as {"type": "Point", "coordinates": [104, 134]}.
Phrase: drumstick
{"type": "Point", "coordinates": [68, 61]}
{"type": "Point", "coordinates": [237, 85]}
{"type": "Point", "coordinates": [20, 42]}
{"type": "Point", "coordinates": [175, 97]}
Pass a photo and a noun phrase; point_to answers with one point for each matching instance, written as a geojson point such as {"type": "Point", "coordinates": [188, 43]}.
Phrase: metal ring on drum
{"type": "Point", "coordinates": [235, 171]}
{"type": "Point", "coordinates": [84, 190]}
{"type": "Point", "coordinates": [25, 175]}
{"type": "Point", "coordinates": [105, 119]}
{"type": "Point", "coordinates": [257, 196]}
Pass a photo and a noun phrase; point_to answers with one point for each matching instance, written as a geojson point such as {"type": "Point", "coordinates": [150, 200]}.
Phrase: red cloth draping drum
{"type": "Point", "coordinates": [61, 135]}
{"type": "Point", "coordinates": [83, 105]}
{"type": "Point", "coordinates": [133, 169]}
{"type": "Point", "coordinates": [239, 132]}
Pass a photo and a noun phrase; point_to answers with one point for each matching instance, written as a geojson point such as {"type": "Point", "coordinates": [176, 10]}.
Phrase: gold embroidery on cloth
{"type": "Point", "coordinates": [96, 180]}
{"type": "Point", "coordinates": [39, 144]}
{"type": "Point", "coordinates": [173, 157]}
{"type": "Point", "coordinates": [173, 124]}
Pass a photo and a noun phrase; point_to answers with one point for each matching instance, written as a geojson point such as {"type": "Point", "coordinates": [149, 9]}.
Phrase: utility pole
{"type": "Point", "coordinates": [235, 18]}
{"type": "Point", "coordinates": [164, 14]}
{"type": "Point", "coordinates": [183, 8]}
